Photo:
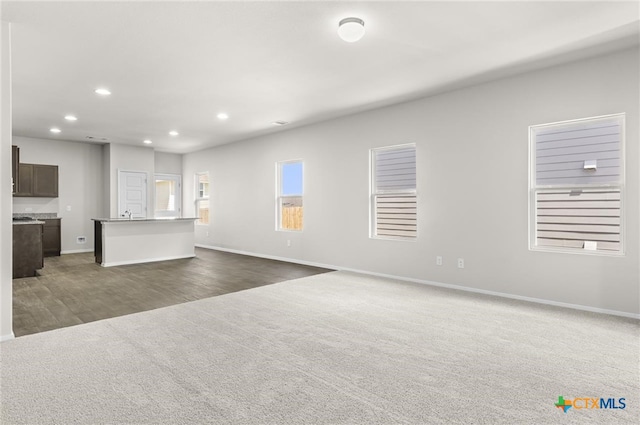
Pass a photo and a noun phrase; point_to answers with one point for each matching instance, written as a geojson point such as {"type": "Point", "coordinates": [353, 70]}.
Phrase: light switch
{"type": "Point", "coordinates": [68, 207]}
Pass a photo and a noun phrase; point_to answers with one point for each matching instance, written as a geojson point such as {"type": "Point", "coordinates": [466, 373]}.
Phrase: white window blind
{"type": "Point", "coordinates": [394, 203]}
{"type": "Point", "coordinates": [570, 218]}
{"type": "Point", "coordinates": [577, 184]}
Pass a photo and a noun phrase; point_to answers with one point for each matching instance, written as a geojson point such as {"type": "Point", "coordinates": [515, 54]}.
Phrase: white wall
{"type": "Point", "coordinates": [472, 147]}
{"type": "Point", "coordinates": [79, 187]}
{"type": "Point", "coordinates": [6, 227]}
{"type": "Point", "coordinates": [168, 163]}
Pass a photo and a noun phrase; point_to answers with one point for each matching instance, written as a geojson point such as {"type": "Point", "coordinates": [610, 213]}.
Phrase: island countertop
{"type": "Point", "coordinates": [139, 219]}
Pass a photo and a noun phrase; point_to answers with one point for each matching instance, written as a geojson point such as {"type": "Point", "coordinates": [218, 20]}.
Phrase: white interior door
{"type": "Point", "coordinates": [132, 194]}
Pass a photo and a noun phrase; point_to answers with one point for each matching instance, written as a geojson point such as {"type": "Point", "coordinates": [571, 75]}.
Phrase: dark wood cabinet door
{"type": "Point", "coordinates": [37, 180]}
{"type": "Point", "coordinates": [51, 241]}
{"type": "Point", "coordinates": [15, 163]}
{"type": "Point", "coordinates": [45, 180]}
{"type": "Point", "coordinates": [27, 249]}
{"type": "Point", "coordinates": [25, 180]}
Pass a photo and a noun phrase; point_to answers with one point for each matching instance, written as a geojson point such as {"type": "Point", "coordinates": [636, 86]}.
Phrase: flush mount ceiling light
{"type": "Point", "coordinates": [54, 130]}
{"type": "Point", "coordinates": [222, 116]}
{"type": "Point", "coordinates": [173, 133]}
{"type": "Point", "coordinates": [71, 118]}
{"type": "Point", "coordinates": [351, 29]}
{"type": "Point", "coordinates": [147, 142]}
{"type": "Point", "coordinates": [102, 91]}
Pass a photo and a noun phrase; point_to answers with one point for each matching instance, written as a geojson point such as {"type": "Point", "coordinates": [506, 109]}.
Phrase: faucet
{"type": "Point", "coordinates": [127, 212]}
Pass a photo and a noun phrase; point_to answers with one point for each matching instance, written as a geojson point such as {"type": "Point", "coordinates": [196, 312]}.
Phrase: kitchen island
{"type": "Point", "coordinates": [120, 241]}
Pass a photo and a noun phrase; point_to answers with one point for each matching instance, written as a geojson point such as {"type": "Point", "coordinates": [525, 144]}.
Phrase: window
{"type": "Point", "coordinates": [577, 185]}
{"type": "Point", "coordinates": [167, 195]}
{"type": "Point", "coordinates": [202, 198]}
{"type": "Point", "coordinates": [289, 189]}
{"type": "Point", "coordinates": [393, 192]}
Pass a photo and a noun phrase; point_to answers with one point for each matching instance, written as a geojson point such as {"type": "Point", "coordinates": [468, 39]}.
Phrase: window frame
{"type": "Point", "coordinates": [535, 189]}
{"type": "Point", "coordinates": [200, 196]}
{"type": "Point", "coordinates": [280, 196]}
{"type": "Point", "coordinates": [374, 193]}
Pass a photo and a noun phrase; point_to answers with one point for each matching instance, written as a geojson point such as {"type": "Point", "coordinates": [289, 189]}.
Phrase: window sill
{"type": "Point", "coordinates": [392, 238]}
{"type": "Point", "coordinates": [614, 254]}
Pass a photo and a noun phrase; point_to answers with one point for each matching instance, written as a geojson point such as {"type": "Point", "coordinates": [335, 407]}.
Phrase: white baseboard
{"type": "Point", "coordinates": [273, 257]}
{"type": "Point", "coordinates": [7, 337]}
{"type": "Point", "coordinates": [76, 251]}
{"type": "Point", "coordinates": [432, 283]}
{"type": "Point", "coordinates": [146, 260]}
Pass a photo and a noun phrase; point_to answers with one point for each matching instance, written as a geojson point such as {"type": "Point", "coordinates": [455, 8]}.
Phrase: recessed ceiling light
{"type": "Point", "coordinates": [173, 133]}
{"type": "Point", "coordinates": [222, 116]}
{"type": "Point", "coordinates": [147, 142]}
{"type": "Point", "coordinates": [54, 130]}
{"type": "Point", "coordinates": [351, 29]}
{"type": "Point", "coordinates": [102, 91]}
{"type": "Point", "coordinates": [71, 118]}
{"type": "Point", "coordinates": [280, 123]}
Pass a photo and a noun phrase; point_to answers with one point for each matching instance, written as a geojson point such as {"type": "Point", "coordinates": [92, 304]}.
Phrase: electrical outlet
{"type": "Point", "coordinates": [438, 260]}
{"type": "Point", "coordinates": [461, 263]}
{"type": "Point", "coordinates": [288, 242]}
{"type": "Point", "coordinates": [207, 235]}
{"type": "Point", "coordinates": [68, 207]}
{"type": "Point", "coordinates": [81, 239]}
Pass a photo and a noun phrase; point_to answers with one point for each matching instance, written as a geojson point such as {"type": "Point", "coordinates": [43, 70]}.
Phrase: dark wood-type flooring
{"type": "Point", "coordinates": [73, 289]}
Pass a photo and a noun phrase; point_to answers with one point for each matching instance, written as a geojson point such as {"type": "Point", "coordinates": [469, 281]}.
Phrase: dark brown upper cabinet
{"type": "Point", "coordinates": [15, 162]}
{"type": "Point", "coordinates": [37, 180]}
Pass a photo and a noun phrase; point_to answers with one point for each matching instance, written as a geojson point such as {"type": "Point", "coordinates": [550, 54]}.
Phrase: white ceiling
{"type": "Point", "coordinates": [176, 65]}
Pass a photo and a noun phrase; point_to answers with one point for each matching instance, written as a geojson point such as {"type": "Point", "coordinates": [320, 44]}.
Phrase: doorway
{"type": "Point", "coordinates": [168, 199]}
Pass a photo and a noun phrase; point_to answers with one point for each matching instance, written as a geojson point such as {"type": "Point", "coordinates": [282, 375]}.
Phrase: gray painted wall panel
{"type": "Point", "coordinates": [472, 187]}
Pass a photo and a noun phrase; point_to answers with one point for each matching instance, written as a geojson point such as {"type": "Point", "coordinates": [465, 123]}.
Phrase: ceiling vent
{"type": "Point", "coordinates": [96, 139]}
{"type": "Point", "coordinates": [280, 123]}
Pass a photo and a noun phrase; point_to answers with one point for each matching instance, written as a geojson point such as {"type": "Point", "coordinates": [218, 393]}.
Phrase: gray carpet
{"type": "Point", "coordinates": [336, 348]}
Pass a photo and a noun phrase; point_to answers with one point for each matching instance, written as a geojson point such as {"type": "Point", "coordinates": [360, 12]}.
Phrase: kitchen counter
{"type": "Point", "coordinates": [120, 241]}
{"type": "Point", "coordinates": [19, 223]}
{"type": "Point", "coordinates": [138, 219]}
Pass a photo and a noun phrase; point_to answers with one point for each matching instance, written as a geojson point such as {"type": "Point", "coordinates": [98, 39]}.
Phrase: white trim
{"type": "Point", "coordinates": [146, 260]}
{"type": "Point", "coordinates": [76, 251]}
{"type": "Point", "coordinates": [432, 283]}
{"type": "Point", "coordinates": [4, 338]}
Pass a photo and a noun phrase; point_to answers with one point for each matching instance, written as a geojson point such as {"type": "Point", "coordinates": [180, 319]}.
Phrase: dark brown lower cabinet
{"type": "Point", "coordinates": [27, 249]}
{"type": "Point", "coordinates": [51, 242]}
